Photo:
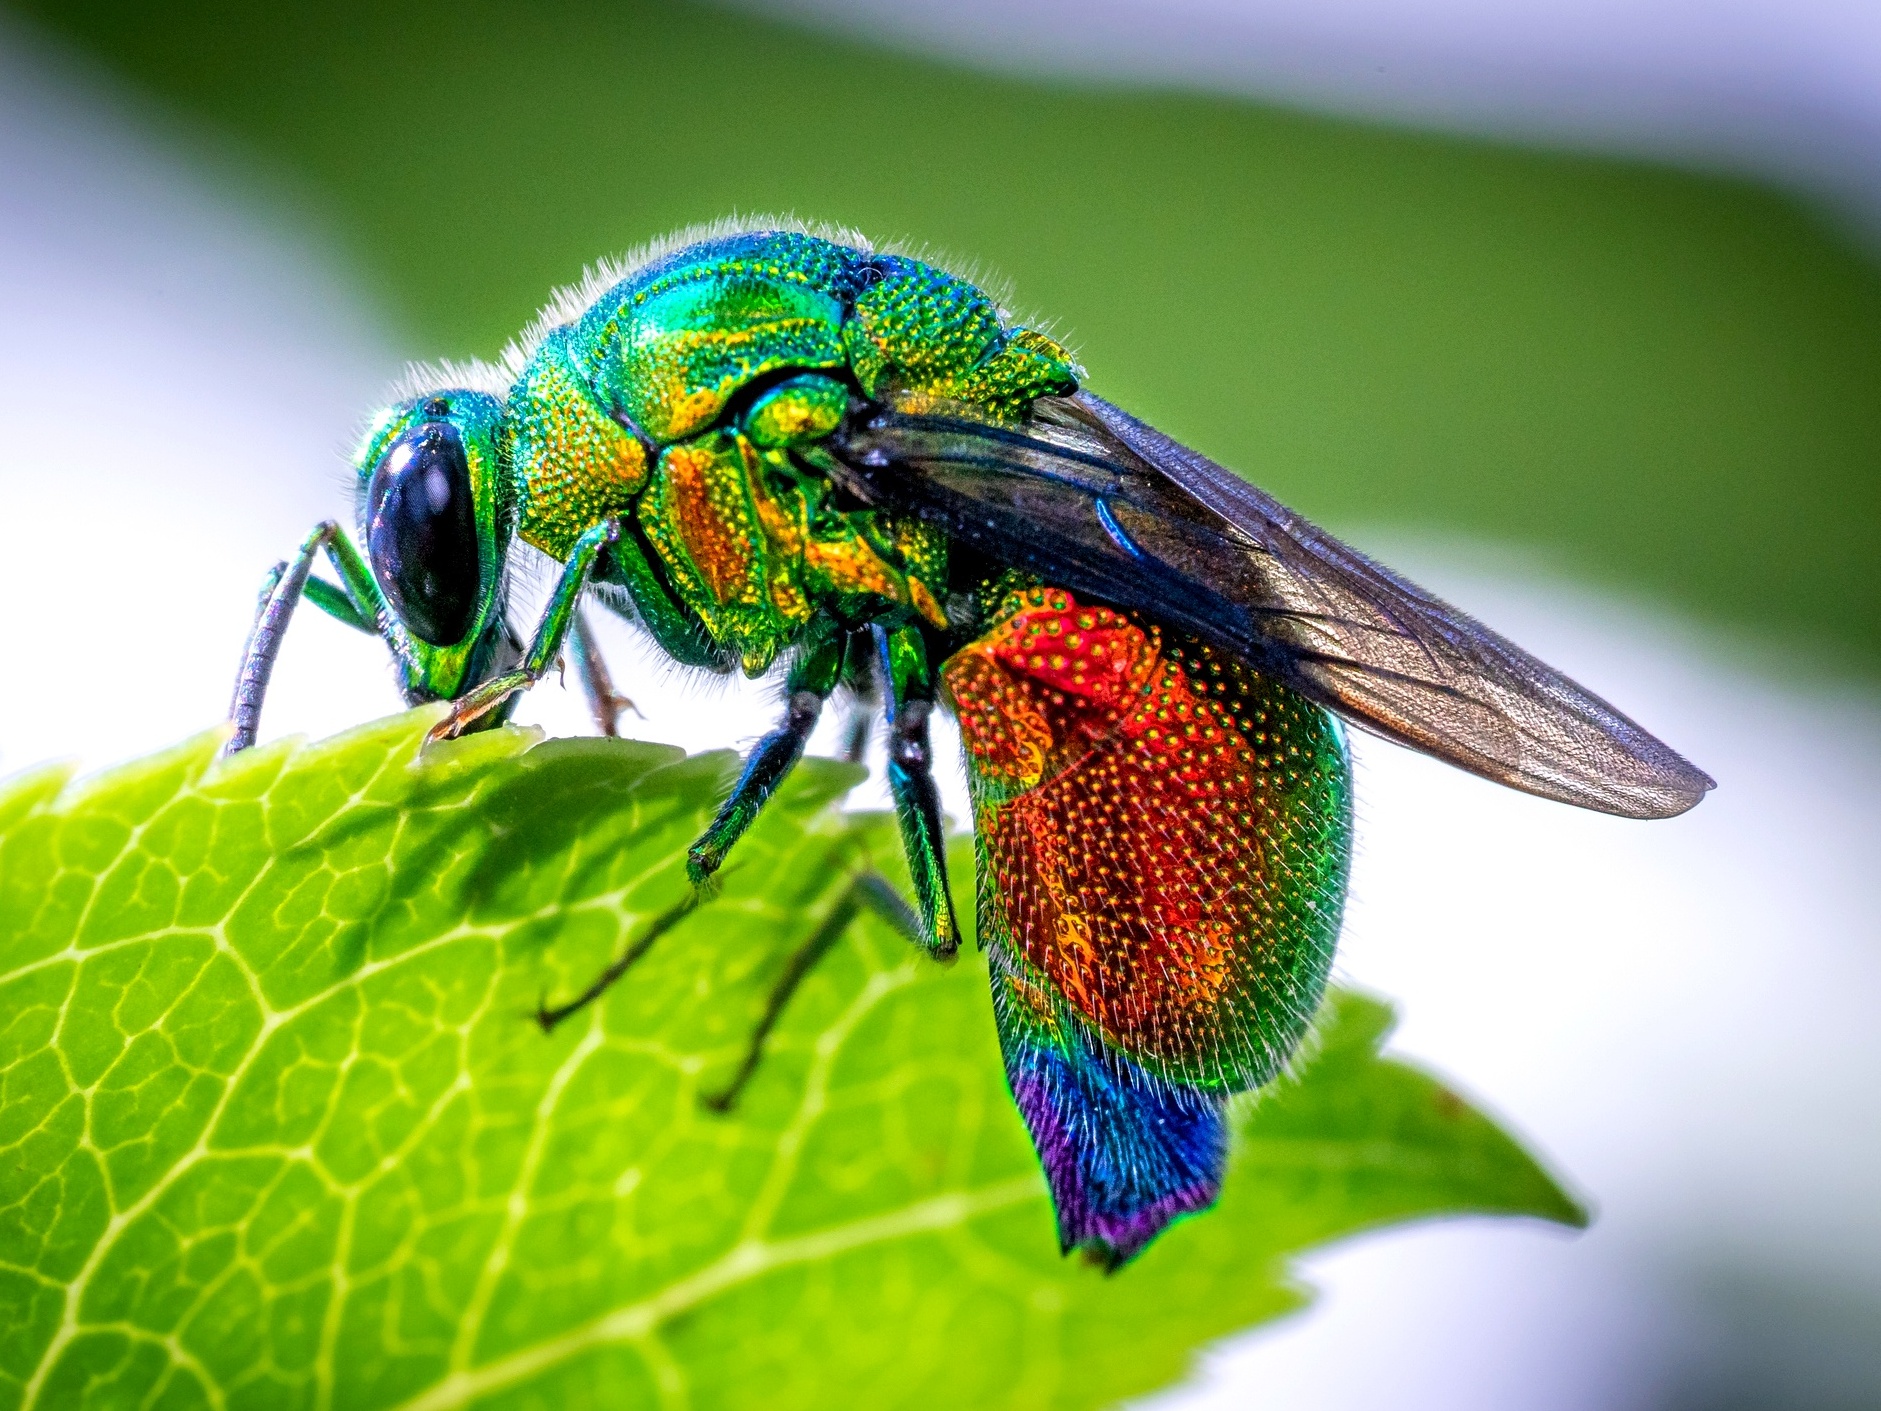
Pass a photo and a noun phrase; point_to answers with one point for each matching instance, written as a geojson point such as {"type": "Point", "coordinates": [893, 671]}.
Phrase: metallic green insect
{"type": "Point", "coordinates": [773, 446]}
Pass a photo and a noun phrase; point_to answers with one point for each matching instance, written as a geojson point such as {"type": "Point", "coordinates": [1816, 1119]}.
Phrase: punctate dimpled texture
{"type": "Point", "coordinates": [1162, 836]}
{"type": "Point", "coordinates": [1163, 831]}
{"type": "Point", "coordinates": [582, 465]}
{"type": "Point", "coordinates": [666, 350]}
{"type": "Point", "coordinates": [277, 1128]}
{"type": "Point", "coordinates": [674, 340]}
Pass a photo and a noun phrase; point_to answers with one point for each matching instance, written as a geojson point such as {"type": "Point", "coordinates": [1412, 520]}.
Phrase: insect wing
{"type": "Point", "coordinates": [1162, 836]}
{"type": "Point", "coordinates": [1089, 497]}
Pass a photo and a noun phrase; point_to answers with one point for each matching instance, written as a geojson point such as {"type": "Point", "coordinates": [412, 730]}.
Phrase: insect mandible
{"type": "Point", "coordinates": [777, 446]}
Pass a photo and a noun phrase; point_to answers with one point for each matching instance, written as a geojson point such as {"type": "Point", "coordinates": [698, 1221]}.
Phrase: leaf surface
{"type": "Point", "coordinates": [277, 1128]}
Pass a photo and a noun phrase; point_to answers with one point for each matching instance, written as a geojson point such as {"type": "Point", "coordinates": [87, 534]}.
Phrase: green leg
{"type": "Point", "coordinates": [812, 678]}
{"type": "Point", "coordinates": [337, 603]}
{"type": "Point", "coordinates": [546, 647]}
{"type": "Point", "coordinates": [650, 602]}
{"type": "Point", "coordinates": [359, 604]}
{"type": "Point", "coordinates": [910, 685]}
{"type": "Point", "coordinates": [869, 892]}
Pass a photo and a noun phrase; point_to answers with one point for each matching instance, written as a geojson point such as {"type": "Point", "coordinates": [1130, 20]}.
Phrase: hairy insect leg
{"type": "Point", "coordinates": [868, 892]}
{"type": "Point", "coordinates": [548, 1016]}
{"type": "Point", "coordinates": [812, 677]}
{"type": "Point", "coordinates": [910, 690]}
{"type": "Point", "coordinates": [357, 604]}
{"type": "Point", "coordinates": [557, 618]}
{"type": "Point", "coordinates": [605, 704]}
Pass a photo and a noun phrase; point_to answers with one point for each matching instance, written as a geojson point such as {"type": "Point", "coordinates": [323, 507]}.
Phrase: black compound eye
{"type": "Point", "coordinates": [421, 533]}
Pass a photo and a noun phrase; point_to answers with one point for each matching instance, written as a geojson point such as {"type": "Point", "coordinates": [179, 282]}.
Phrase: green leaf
{"type": "Point", "coordinates": [277, 1128]}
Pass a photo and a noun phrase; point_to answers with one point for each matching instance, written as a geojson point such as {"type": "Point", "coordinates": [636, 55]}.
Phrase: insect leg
{"type": "Point", "coordinates": [910, 684]}
{"type": "Point", "coordinates": [868, 892]}
{"type": "Point", "coordinates": [647, 599]}
{"type": "Point", "coordinates": [551, 632]}
{"type": "Point", "coordinates": [859, 677]}
{"type": "Point", "coordinates": [812, 678]}
{"type": "Point", "coordinates": [338, 604]}
{"type": "Point", "coordinates": [604, 702]}
{"type": "Point", "coordinates": [357, 604]}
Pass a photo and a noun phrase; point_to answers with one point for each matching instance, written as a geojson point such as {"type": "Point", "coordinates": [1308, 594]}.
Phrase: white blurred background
{"type": "Point", "coordinates": [1681, 1015]}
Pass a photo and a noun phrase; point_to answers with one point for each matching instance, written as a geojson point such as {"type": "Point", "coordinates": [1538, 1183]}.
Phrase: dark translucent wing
{"type": "Point", "coordinates": [1091, 498]}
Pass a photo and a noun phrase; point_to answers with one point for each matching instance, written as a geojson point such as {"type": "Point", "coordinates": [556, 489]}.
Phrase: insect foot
{"type": "Point", "coordinates": [467, 711]}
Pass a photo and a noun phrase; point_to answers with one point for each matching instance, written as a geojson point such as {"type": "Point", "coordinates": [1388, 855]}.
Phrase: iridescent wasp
{"type": "Point", "coordinates": [773, 446]}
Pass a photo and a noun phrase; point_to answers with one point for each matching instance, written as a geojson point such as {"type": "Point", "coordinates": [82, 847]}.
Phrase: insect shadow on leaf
{"type": "Point", "coordinates": [561, 806]}
{"type": "Point", "coordinates": [866, 892]}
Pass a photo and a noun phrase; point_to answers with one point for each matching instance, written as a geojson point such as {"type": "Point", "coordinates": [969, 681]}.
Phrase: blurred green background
{"type": "Point", "coordinates": [1658, 381]}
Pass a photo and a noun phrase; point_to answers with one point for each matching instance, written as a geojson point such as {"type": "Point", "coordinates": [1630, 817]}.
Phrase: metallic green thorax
{"type": "Point", "coordinates": [683, 399]}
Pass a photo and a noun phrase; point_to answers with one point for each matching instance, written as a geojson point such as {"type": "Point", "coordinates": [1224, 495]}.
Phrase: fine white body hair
{"type": "Point", "coordinates": [569, 302]}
